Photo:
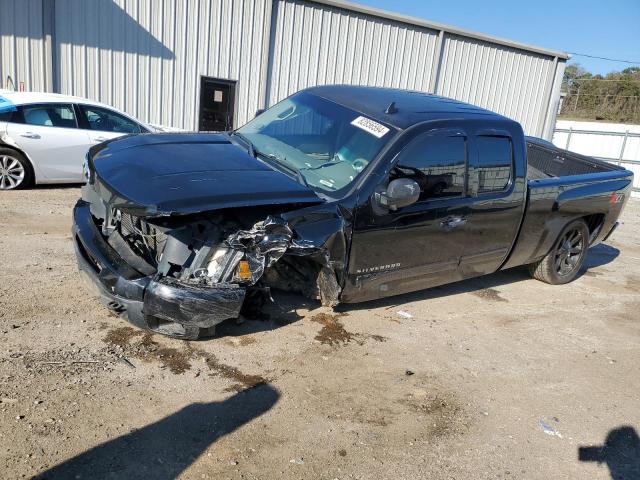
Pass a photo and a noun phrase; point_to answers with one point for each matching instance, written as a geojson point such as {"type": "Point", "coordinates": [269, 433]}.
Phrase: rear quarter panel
{"type": "Point", "coordinates": [555, 202]}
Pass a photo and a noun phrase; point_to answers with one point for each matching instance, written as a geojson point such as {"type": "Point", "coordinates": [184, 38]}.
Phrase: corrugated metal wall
{"type": "Point", "coordinates": [511, 82]}
{"type": "Point", "coordinates": [22, 45]}
{"type": "Point", "coordinates": [146, 56]}
{"type": "Point", "coordinates": [316, 44]}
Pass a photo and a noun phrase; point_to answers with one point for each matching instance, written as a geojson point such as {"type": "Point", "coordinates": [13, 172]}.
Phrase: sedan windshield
{"type": "Point", "coordinates": [323, 143]}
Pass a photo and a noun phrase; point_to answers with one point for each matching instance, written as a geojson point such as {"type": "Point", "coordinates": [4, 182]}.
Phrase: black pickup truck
{"type": "Point", "coordinates": [340, 193]}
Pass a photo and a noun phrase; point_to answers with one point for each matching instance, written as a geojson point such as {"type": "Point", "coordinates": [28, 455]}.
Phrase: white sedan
{"type": "Point", "coordinates": [44, 137]}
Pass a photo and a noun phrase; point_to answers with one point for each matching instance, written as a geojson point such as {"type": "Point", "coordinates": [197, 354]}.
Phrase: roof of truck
{"type": "Point", "coordinates": [411, 106]}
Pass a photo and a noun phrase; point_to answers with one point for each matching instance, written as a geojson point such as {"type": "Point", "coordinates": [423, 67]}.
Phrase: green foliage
{"type": "Point", "coordinates": [614, 97]}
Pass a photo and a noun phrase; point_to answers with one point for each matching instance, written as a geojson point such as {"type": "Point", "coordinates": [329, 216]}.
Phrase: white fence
{"type": "Point", "coordinates": [614, 142]}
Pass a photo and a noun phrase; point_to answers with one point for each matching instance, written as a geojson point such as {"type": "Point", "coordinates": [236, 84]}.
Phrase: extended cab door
{"type": "Point", "coordinates": [48, 133]}
{"type": "Point", "coordinates": [418, 246]}
{"type": "Point", "coordinates": [497, 185]}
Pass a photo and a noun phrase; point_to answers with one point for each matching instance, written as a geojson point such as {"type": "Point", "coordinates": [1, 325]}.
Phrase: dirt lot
{"type": "Point", "coordinates": [500, 377]}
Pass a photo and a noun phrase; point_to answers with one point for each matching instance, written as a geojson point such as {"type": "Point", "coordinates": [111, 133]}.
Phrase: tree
{"type": "Point", "coordinates": [571, 73]}
{"type": "Point", "coordinates": [614, 97]}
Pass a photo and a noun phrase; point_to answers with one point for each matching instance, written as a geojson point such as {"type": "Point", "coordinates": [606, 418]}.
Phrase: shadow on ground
{"type": "Point", "coordinates": [284, 309]}
{"type": "Point", "coordinates": [596, 257]}
{"type": "Point", "coordinates": [164, 449]}
{"type": "Point", "coordinates": [600, 255]}
{"type": "Point", "coordinates": [58, 186]}
{"type": "Point", "coordinates": [620, 452]}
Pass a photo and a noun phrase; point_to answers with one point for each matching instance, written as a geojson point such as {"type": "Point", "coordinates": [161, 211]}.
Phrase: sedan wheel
{"type": "Point", "coordinates": [12, 172]}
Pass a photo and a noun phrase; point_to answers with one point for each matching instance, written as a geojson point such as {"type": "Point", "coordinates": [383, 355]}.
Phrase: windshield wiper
{"type": "Point", "coordinates": [334, 161]}
{"type": "Point", "coordinates": [283, 163]}
{"type": "Point", "coordinates": [251, 149]}
{"type": "Point", "coordinates": [271, 156]}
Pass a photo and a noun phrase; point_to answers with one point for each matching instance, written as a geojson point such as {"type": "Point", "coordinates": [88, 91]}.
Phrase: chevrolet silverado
{"type": "Point", "coordinates": [341, 193]}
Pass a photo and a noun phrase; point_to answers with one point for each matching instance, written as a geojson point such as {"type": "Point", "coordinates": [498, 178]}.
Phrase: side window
{"type": "Point", "coordinates": [438, 163]}
{"type": "Point", "coordinates": [49, 115]}
{"type": "Point", "coordinates": [105, 120]}
{"type": "Point", "coordinates": [5, 116]}
{"type": "Point", "coordinates": [495, 160]}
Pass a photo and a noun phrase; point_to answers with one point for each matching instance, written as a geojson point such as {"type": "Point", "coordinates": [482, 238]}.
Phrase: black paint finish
{"type": "Point", "coordinates": [373, 251]}
{"type": "Point", "coordinates": [178, 174]}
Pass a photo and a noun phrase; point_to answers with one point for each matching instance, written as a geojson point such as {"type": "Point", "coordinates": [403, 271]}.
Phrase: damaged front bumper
{"type": "Point", "coordinates": [163, 305]}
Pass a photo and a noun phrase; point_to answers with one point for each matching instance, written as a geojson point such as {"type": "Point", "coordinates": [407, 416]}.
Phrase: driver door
{"type": "Point", "coordinates": [418, 246]}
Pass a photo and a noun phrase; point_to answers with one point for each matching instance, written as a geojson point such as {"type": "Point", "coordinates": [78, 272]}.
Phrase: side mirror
{"type": "Point", "coordinates": [400, 192]}
{"type": "Point", "coordinates": [259, 111]}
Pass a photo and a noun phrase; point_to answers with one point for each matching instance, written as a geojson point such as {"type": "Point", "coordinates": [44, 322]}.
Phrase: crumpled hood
{"type": "Point", "coordinates": [169, 174]}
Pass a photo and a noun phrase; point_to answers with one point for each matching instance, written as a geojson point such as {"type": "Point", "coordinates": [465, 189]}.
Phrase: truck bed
{"type": "Point", "coordinates": [561, 186]}
{"type": "Point", "coordinates": [544, 160]}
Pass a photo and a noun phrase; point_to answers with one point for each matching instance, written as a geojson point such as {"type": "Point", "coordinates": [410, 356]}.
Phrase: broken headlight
{"type": "Point", "coordinates": [223, 264]}
{"type": "Point", "coordinates": [230, 265]}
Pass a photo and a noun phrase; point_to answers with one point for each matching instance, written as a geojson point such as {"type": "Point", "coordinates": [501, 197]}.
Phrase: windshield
{"type": "Point", "coordinates": [326, 144]}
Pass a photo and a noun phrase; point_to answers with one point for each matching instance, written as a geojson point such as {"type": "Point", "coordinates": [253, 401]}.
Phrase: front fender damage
{"type": "Point", "coordinates": [312, 251]}
{"type": "Point", "coordinates": [210, 269]}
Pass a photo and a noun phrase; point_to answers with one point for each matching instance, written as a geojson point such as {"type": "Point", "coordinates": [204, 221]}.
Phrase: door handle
{"type": "Point", "coordinates": [452, 222]}
{"type": "Point", "coordinates": [100, 139]}
{"type": "Point", "coordinates": [30, 135]}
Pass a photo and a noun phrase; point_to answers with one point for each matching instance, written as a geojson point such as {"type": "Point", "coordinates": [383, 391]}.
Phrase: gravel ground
{"type": "Point", "coordinates": [498, 377]}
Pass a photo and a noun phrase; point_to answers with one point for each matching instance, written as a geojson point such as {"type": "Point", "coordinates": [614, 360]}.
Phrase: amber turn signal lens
{"type": "Point", "coordinates": [244, 273]}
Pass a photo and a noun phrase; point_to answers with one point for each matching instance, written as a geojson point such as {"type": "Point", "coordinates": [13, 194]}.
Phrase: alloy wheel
{"type": "Point", "coordinates": [569, 251]}
{"type": "Point", "coordinates": [11, 172]}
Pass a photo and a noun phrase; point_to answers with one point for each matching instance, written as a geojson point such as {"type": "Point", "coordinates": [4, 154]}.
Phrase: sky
{"type": "Point", "coordinates": [603, 28]}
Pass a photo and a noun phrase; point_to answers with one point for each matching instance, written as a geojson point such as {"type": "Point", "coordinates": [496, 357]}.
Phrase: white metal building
{"type": "Point", "coordinates": [201, 63]}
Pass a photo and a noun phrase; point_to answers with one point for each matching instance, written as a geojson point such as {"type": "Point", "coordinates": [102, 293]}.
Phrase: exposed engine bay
{"type": "Point", "coordinates": [207, 267]}
{"type": "Point", "coordinates": [217, 250]}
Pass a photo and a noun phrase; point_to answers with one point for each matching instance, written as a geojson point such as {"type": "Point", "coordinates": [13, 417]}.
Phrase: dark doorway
{"type": "Point", "coordinates": [217, 102]}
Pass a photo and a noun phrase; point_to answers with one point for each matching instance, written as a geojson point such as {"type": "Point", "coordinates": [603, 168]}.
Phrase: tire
{"type": "Point", "coordinates": [563, 263]}
{"type": "Point", "coordinates": [15, 170]}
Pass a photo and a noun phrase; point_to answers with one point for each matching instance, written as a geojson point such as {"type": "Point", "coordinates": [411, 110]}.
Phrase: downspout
{"type": "Point", "coordinates": [266, 68]}
{"type": "Point", "coordinates": [50, 60]}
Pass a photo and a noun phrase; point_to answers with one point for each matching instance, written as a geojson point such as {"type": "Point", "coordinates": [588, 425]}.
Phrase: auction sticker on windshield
{"type": "Point", "coordinates": [374, 128]}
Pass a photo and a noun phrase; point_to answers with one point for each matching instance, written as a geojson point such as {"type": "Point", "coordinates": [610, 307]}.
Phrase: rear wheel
{"type": "Point", "coordinates": [15, 170]}
{"type": "Point", "coordinates": [563, 263]}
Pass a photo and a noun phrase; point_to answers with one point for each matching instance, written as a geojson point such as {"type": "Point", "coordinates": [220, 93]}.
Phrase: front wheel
{"type": "Point", "coordinates": [566, 258]}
